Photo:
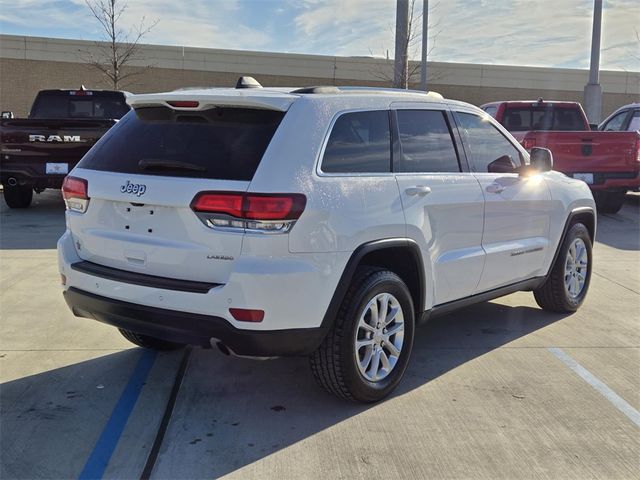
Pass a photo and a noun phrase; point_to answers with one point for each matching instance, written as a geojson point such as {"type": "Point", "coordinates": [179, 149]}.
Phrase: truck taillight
{"type": "Point", "coordinates": [265, 212]}
{"type": "Point", "coordinates": [75, 194]}
{"type": "Point", "coordinates": [638, 149]}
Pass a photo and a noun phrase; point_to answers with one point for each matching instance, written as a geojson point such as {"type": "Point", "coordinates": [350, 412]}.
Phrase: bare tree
{"type": "Point", "coordinates": [112, 56]}
{"type": "Point", "coordinates": [413, 48]}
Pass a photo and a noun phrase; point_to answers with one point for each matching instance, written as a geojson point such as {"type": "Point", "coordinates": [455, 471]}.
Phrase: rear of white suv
{"type": "Point", "coordinates": [165, 241]}
{"type": "Point", "coordinates": [318, 222]}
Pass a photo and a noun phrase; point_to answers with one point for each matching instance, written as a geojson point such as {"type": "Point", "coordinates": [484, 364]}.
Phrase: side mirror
{"type": "Point", "coordinates": [541, 159]}
{"type": "Point", "coordinates": [6, 115]}
{"type": "Point", "coordinates": [503, 164]}
{"type": "Point", "coordinates": [593, 126]}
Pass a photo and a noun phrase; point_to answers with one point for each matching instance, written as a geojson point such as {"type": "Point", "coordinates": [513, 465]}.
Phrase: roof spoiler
{"type": "Point", "coordinates": [183, 101]}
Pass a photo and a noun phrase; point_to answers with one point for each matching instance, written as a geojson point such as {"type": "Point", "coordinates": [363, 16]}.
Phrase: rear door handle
{"type": "Point", "coordinates": [419, 190]}
{"type": "Point", "coordinates": [495, 188]}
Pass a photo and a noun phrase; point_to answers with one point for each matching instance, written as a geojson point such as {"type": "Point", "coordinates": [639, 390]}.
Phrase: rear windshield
{"type": "Point", "coordinates": [522, 119]}
{"type": "Point", "coordinates": [221, 143]}
{"type": "Point", "coordinates": [79, 104]}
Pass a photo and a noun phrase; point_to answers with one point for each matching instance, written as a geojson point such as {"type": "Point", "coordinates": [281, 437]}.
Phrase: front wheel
{"type": "Point", "coordinates": [18, 196]}
{"type": "Point", "coordinates": [566, 286]}
{"type": "Point", "coordinates": [364, 356]}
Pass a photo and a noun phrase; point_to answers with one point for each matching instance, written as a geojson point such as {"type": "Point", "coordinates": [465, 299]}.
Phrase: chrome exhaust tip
{"type": "Point", "coordinates": [230, 353]}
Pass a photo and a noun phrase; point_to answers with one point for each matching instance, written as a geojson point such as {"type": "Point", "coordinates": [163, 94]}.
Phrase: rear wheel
{"type": "Point", "coordinates": [364, 356]}
{"type": "Point", "coordinates": [146, 341]}
{"type": "Point", "coordinates": [18, 196]}
{"type": "Point", "coordinates": [566, 287]}
{"type": "Point", "coordinates": [610, 202]}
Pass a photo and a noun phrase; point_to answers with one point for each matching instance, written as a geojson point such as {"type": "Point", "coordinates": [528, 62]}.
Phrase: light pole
{"type": "Point", "coordinates": [425, 37]}
{"type": "Point", "coordinates": [593, 89]}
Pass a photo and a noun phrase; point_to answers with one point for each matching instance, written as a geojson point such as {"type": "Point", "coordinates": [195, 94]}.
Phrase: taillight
{"type": "Point", "coordinates": [227, 203]}
{"type": "Point", "coordinates": [638, 149]}
{"type": "Point", "coordinates": [529, 143]}
{"type": "Point", "coordinates": [273, 207]}
{"type": "Point", "coordinates": [75, 194]}
{"type": "Point", "coordinates": [263, 212]}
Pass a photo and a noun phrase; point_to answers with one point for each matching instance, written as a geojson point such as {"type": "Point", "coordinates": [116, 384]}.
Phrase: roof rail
{"type": "Point", "coordinates": [319, 89]}
{"type": "Point", "coordinates": [355, 89]}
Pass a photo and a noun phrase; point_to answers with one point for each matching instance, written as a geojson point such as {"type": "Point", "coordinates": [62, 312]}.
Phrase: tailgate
{"type": "Point", "coordinates": [29, 145]}
{"type": "Point", "coordinates": [575, 152]}
{"type": "Point", "coordinates": [143, 176]}
{"type": "Point", "coordinates": [154, 233]}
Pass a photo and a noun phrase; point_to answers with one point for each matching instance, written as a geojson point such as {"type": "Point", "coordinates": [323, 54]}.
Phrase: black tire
{"type": "Point", "coordinates": [610, 202]}
{"type": "Point", "coordinates": [152, 343]}
{"type": "Point", "coordinates": [334, 364]}
{"type": "Point", "coordinates": [553, 295]}
{"type": "Point", "coordinates": [18, 196]}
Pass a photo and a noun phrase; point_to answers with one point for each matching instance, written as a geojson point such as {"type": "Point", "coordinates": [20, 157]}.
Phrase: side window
{"type": "Point", "coordinates": [483, 142]}
{"type": "Point", "coordinates": [634, 124]}
{"type": "Point", "coordinates": [491, 111]}
{"type": "Point", "coordinates": [359, 142]}
{"type": "Point", "coordinates": [426, 142]}
{"type": "Point", "coordinates": [615, 124]}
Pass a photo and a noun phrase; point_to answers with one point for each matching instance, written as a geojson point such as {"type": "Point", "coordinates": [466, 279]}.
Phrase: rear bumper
{"type": "Point", "coordinates": [194, 329]}
{"type": "Point", "coordinates": [32, 172]}
{"type": "Point", "coordinates": [294, 291]}
{"type": "Point", "coordinates": [615, 181]}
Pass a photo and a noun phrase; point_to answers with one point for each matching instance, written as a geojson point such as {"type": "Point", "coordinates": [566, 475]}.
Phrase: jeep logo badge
{"type": "Point", "coordinates": [135, 188]}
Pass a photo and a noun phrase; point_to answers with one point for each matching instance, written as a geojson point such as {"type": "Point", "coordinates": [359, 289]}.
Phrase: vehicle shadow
{"type": "Point", "coordinates": [621, 230]}
{"type": "Point", "coordinates": [230, 412]}
{"type": "Point", "coordinates": [43, 222]}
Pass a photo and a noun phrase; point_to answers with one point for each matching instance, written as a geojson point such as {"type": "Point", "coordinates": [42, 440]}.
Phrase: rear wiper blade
{"type": "Point", "coordinates": [151, 164]}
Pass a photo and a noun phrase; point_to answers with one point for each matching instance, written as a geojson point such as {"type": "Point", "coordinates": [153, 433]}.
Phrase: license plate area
{"type": "Point", "coordinates": [585, 177]}
{"type": "Point", "coordinates": [52, 168]}
{"type": "Point", "coordinates": [143, 218]}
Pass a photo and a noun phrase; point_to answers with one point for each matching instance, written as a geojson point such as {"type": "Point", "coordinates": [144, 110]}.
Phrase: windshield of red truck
{"type": "Point", "coordinates": [522, 119]}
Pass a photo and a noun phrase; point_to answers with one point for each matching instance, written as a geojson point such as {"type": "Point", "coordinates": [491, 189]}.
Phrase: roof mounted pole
{"type": "Point", "coordinates": [593, 89]}
{"type": "Point", "coordinates": [425, 37]}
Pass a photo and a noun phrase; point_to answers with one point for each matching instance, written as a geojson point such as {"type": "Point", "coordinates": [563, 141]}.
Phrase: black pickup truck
{"type": "Point", "coordinates": [37, 152]}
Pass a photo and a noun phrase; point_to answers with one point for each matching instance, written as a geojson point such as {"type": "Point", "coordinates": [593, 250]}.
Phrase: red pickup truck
{"type": "Point", "coordinates": [608, 161]}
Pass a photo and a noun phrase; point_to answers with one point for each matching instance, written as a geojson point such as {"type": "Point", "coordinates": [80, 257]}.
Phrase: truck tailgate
{"type": "Point", "coordinates": [41, 147]}
{"type": "Point", "coordinates": [575, 152]}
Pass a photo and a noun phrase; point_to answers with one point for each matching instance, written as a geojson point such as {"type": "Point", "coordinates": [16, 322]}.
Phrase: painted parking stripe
{"type": "Point", "coordinates": [615, 399]}
{"type": "Point", "coordinates": [106, 444]}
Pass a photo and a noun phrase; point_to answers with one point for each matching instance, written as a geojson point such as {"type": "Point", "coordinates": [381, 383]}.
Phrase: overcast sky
{"type": "Point", "coordinates": [554, 33]}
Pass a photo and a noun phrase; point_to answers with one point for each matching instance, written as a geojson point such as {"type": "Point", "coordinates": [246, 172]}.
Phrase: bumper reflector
{"type": "Point", "coordinates": [245, 315]}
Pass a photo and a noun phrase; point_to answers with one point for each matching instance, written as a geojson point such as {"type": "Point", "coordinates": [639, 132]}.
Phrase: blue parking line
{"type": "Point", "coordinates": [108, 440]}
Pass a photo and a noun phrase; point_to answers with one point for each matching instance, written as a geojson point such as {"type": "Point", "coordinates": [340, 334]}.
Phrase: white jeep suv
{"type": "Point", "coordinates": [324, 221]}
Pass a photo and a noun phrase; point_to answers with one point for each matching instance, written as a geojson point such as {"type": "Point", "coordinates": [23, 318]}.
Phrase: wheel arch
{"type": "Point", "coordinates": [584, 215]}
{"type": "Point", "coordinates": [399, 255]}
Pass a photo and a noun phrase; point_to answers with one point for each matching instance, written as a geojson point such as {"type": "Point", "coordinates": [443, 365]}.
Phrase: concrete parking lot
{"type": "Point", "coordinates": [498, 390]}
